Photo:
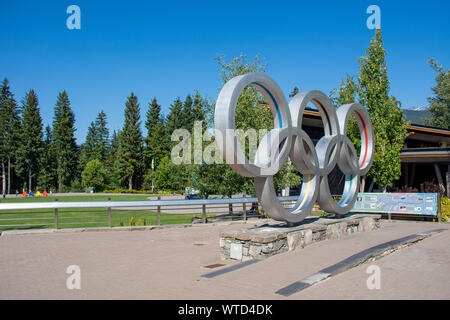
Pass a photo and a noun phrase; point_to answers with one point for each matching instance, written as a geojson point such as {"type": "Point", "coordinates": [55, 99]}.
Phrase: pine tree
{"type": "Point", "coordinates": [174, 119]}
{"type": "Point", "coordinates": [9, 132]}
{"type": "Point", "coordinates": [156, 141]}
{"type": "Point", "coordinates": [385, 112]}
{"type": "Point", "coordinates": [87, 150]}
{"type": "Point", "coordinates": [101, 123]}
{"type": "Point", "coordinates": [96, 145]}
{"type": "Point", "coordinates": [131, 144]}
{"type": "Point", "coordinates": [30, 149]}
{"type": "Point", "coordinates": [153, 116]}
{"type": "Point", "coordinates": [440, 103]}
{"type": "Point", "coordinates": [187, 114]}
{"type": "Point", "coordinates": [48, 177]}
{"type": "Point", "coordinates": [115, 142]}
{"type": "Point", "coordinates": [198, 108]}
{"type": "Point", "coordinates": [64, 140]}
{"type": "Point", "coordinates": [114, 158]}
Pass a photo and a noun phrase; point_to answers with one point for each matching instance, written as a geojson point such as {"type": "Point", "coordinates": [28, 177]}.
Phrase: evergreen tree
{"type": "Point", "coordinates": [30, 149]}
{"type": "Point", "coordinates": [131, 144]}
{"type": "Point", "coordinates": [87, 150]}
{"type": "Point", "coordinates": [9, 132]}
{"type": "Point", "coordinates": [440, 103]}
{"type": "Point", "coordinates": [96, 145]}
{"type": "Point", "coordinates": [385, 112]}
{"type": "Point", "coordinates": [64, 141]}
{"type": "Point", "coordinates": [198, 108]}
{"type": "Point", "coordinates": [114, 159]}
{"type": "Point", "coordinates": [174, 119]}
{"type": "Point", "coordinates": [101, 123]}
{"type": "Point", "coordinates": [187, 114]}
{"type": "Point", "coordinates": [48, 177]}
{"type": "Point", "coordinates": [153, 116]}
{"type": "Point", "coordinates": [115, 142]}
{"type": "Point", "coordinates": [156, 141]}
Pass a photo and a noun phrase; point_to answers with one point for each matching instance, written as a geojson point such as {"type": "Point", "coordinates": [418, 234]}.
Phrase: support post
{"type": "Point", "coordinates": [244, 211]}
{"type": "Point", "coordinates": [109, 214]}
{"type": "Point", "coordinates": [56, 216]}
{"type": "Point", "coordinates": [158, 212]}
{"type": "Point", "coordinates": [406, 173]}
{"type": "Point", "coordinates": [413, 173]}
{"type": "Point", "coordinates": [439, 178]}
{"type": "Point", "coordinates": [204, 213]}
{"type": "Point", "coordinates": [448, 181]}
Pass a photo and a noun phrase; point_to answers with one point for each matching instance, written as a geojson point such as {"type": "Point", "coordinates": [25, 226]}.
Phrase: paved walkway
{"type": "Point", "coordinates": [168, 263]}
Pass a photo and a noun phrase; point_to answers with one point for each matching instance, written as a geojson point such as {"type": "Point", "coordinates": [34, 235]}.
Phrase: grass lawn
{"type": "Point", "coordinates": [82, 217]}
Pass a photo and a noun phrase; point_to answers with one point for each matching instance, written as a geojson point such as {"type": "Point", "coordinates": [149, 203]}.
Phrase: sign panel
{"type": "Point", "coordinates": [407, 203]}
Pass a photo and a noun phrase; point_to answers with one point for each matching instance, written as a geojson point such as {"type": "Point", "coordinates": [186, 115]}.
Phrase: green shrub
{"type": "Point", "coordinates": [445, 209]}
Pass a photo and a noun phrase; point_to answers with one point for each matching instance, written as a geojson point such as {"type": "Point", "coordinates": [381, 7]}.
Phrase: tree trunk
{"type": "Point", "coordinates": [29, 179]}
{"type": "Point", "coordinates": [3, 178]}
{"type": "Point", "coordinates": [9, 175]}
{"type": "Point", "coordinates": [130, 183]}
{"type": "Point", "coordinates": [371, 187]}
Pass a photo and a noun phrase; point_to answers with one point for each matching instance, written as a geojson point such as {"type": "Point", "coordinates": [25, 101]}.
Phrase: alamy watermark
{"type": "Point", "coordinates": [74, 280]}
{"type": "Point", "coordinates": [374, 280]}
{"type": "Point", "coordinates": [191, 148]}
{"type": "Point", "coordinates": [374, 20]}
{"type": "Point", "coordinates": [74, 20]}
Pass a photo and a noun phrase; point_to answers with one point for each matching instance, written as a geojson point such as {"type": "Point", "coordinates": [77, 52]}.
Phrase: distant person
{"type": "Point", "coordinates": [17, 193]}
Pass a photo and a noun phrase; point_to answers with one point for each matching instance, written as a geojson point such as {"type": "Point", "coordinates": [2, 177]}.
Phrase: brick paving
{"type": "Point", "coordinates": [168, 263]}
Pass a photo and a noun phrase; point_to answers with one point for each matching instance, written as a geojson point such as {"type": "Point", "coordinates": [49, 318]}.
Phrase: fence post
{"type": "Point", "coordinates": [244, 208]}
{"type": "Point", "coordinates": [158, 211]}
{"type": "Point", "coordinates": [56, 215]}
{"type": "Point", "coordinates": [204, 213]}
{"type": "Point", "coordinates": [109, 214]}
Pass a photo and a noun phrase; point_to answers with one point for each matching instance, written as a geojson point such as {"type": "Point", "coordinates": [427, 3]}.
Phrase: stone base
{"type": "Point", "coordinates": [268, 240]}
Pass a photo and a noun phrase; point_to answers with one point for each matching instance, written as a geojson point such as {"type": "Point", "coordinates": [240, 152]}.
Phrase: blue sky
{"type": "Point", "coordinates": [166, 48]}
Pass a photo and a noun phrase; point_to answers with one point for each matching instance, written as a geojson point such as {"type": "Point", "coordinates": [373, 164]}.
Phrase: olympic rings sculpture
{"type": "Point", "coordinates": [288, 139]}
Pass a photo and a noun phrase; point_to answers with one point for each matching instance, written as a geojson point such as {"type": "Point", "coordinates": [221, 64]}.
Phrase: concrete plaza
{"type": "Point", "coordinates": [168, 263]}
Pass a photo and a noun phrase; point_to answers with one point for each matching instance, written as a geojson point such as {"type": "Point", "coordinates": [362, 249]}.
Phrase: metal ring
{"type": "Point", "coordinates": [289, 139]}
